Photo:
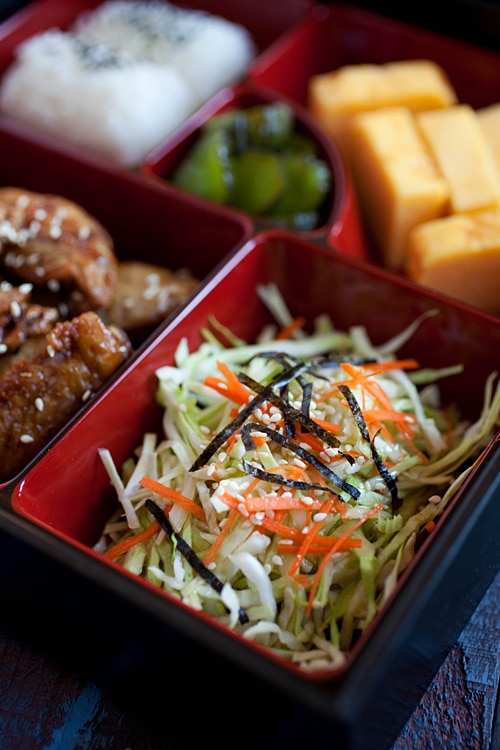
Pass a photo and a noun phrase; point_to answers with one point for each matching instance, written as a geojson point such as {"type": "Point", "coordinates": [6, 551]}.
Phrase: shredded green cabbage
{"type": "Point", "coordinates": [307, 536]}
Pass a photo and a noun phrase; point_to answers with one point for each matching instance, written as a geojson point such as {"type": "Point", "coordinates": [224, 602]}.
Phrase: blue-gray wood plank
{"type": "Point", "coordinates": [45, 707]}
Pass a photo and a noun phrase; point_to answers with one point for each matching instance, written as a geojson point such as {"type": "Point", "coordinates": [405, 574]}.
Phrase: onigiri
{"type": "Point", "coordinates": [124, 77]}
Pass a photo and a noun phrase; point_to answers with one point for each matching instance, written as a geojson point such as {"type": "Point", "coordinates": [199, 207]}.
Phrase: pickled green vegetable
{"type": "Point", "coordinates": [256, 161]}
{"type": "Point", "coordinates": [258, 181]}
{"type": "Point", "coordinates": [306, 182]}
{"type": "Point", "coordinates": [207, 170]}
{"type": "Point", "coordinates": [264, 125]}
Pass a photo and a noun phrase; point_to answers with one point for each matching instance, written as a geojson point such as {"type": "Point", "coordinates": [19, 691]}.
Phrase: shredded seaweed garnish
{"type": "Point", "coordinates": [299, 562]}
{"type": "Point", "coordinates": [365, 434]}
{"type": "Point", "coordinates": [265, 394]}
{"type": "Point", "coordinates": [293, 414]}
{"type": "Point", "coordinates": [190, 554]}
{"type": "Point", "coordinates": [304, 454]}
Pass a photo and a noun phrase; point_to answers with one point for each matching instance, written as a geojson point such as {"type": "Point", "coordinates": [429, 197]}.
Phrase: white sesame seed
{"type": "Point", "coordinates": [26, 438]}
{"type": "Point", "coordinates": [3, 348]}
{"type": "Point", "coordinates": [86, 395]}
{"type": "Point", "coordinates": [54, 285]}
{"type": "Point", "coordinates": [26, 288]}
{"type": "Point", "coordinates": [34, 228]}
{"type": "Point", "coordinates": [39, 404]}
{"type": "Point", "coordinates": [84, 233]}
{"type": "Point", "coordinates": [23, 201]}
{"type": "Point", "coordinates": [15, 309]}
{"type": "Point", "coordinates": [319, 516]}
{"type": "Point", "coordinates": [51, 351]}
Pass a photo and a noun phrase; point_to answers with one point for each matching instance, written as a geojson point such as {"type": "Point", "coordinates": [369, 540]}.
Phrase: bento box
{"type": "Point", "coordinates": [425, 613]}
{"type": "Point", "coordinates": [60, 503]}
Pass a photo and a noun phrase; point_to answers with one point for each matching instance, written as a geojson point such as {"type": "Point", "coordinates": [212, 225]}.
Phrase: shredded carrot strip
{"type": "Point", "coordinates": [378, 417]}
{"type": "Point", "coordinates": [320, 549]}
{"type": "Point", "coordinates": [335, 548]}
{"type": "Point", "coordinates": [125, 544]}
{"type": "Point", "coordinates": [216, 545]}
{"type": "Point", "coordinates": [311, 440]}
{"type": "Point", "coordinates": [308, 539]}
{"type": "Point", "coordinates": [397, 364]}
{"type": "Point", "coordinates": [330, 426]}
{"type": "Point", "coordinates": [230, 387]}
{"type": "Point", "coordinates": [173, 496]}
{"type": "Point", "coordinates": [361, 375]}
{"type": "Point", "coordinates": [280, 502]}
{"type": "Point", "coordinates": [288, 331]}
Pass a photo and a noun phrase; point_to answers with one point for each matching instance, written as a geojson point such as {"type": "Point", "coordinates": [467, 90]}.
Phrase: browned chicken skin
{"type": "Point", "coordinates": [21, 320]}
{"type": "Point", "coordinates": [145, 294]}
{"type": "Point", "coordinates": [49, 240]}
{"type": "Point", "coordinates": [60, 270]}
{"type": "Point", "coordinates": [38, 395]}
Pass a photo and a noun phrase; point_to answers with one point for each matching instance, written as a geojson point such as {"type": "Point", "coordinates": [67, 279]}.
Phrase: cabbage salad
{"type": "Point", "coordinates": [295, 477]}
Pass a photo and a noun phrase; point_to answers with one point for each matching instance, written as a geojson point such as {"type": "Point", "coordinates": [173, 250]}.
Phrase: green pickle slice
{"type": "Point", "coordinates": [258, 181]}
{"type": "Point", "coordinates": [253, 159]}
{"type": "Point", "coordinates": [307, 182]}
{"type": "Point", "coordinates": [207, 169]}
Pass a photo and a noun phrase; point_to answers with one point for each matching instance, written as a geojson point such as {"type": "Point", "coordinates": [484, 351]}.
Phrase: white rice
{"type": "Point", "coordinates": [125, 76]}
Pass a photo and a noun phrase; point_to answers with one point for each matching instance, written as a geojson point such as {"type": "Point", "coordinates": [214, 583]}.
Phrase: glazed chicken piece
{"type": "Point", "coordinates": [145, 294]}
{"type": "Point", "coordinates": [38, 395]}
{"type": "Point", "coordinates": [52, 242]}
{"type": "Point", "coordinates": [23, 325]}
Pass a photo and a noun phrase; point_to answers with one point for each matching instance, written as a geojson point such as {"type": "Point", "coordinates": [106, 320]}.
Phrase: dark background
{"type": "Point", "coordinates": [476, 21]}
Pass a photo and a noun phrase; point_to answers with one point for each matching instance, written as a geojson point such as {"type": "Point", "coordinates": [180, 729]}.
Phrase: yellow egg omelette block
{"type": "Point", "coordinates": [397, 181]}
{"type": "Point", "coordinates": [462, 153]}
{"type": "Point", "coordinates": [334, 97]}
{"type": "Point", "coordinates": [489, 122]}
{"type": "Point", "coordinates": [459, 255]}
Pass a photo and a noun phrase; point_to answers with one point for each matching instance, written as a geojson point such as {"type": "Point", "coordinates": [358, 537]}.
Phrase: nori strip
{"type": "Point", "coordinates": [360, 421]}
{"type": "Point", "coordinates": [190, 554]}
{"type": "Point", "coordinates": [301, 452]}
{"type": "Point", "coordinates": [266, 393]}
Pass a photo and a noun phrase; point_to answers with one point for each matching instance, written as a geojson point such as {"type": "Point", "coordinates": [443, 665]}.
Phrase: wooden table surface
{"type": "Point", "coordinates": [74, 676]}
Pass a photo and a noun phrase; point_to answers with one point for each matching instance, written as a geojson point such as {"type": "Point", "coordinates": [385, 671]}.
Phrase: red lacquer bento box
{"type": "Point", "coordinates": [425, 613]}
{"type": "Point", "coordinates": [60, 502]}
